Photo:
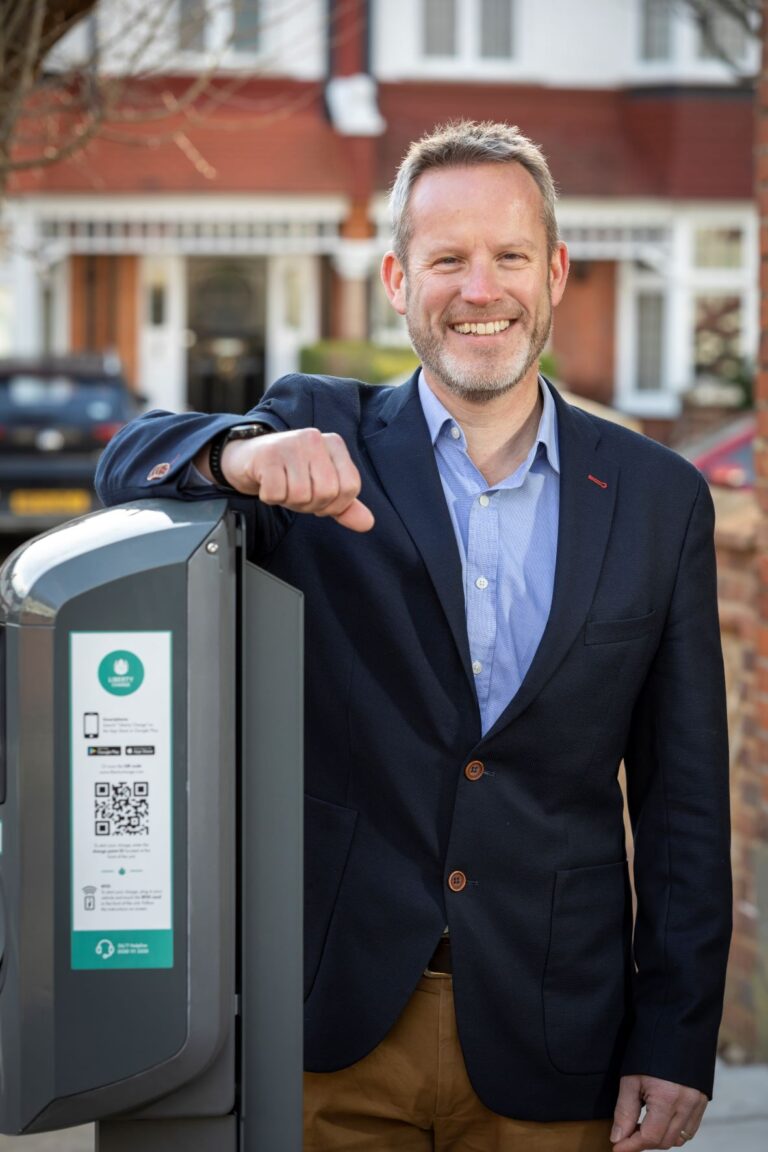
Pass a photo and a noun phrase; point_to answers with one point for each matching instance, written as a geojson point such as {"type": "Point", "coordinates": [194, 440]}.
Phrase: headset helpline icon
{"type": "Point", "coordinates": [105, 949]}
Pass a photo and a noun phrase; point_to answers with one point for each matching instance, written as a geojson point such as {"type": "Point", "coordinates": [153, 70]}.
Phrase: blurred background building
{"type": "Point", "coordinates": [207, 240]}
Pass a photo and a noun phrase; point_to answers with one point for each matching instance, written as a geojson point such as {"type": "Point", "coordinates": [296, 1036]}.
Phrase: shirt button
{"type": "Point", "coordinates": [474, 770]}
{"type": "Point", "coordinates": [455, 432]}
{"type": "Point", "coordinates": [457, 881]}
{"type": "Point", "coordinates": [481, 582]}
{"type": "Point", "coordinates": [484, 501]}
{"type": "Point", "coordinates": [477, 667]}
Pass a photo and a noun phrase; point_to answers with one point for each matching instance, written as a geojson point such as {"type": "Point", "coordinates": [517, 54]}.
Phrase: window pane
{"type": "Point", "coordinates": [6, 320]}
{"type": "Point", "coordinates": [717, 336]}
{"type": "Point", "coordinates": [246, 34]}
{"type": "Point", "coordinates": [721, 37]}
{"type": "Point", "coordinates": [718, 248]}
{"type": "Point", "coordinates": [656, 30]}
{"type": "Point", "coordinates": [192, 17]}
{"type": "Point", "coordinates": [650, 333]}
{"type": "Point", "coordinates": [496, 29]}
{"type": "Point", "coordinates": [439, 28]}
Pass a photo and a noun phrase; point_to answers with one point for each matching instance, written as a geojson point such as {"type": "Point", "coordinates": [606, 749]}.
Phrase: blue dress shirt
{"type": "Point", "coordinates": [507, 539]}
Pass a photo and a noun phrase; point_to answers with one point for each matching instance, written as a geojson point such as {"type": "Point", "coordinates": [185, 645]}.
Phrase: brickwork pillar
{"type": "Point", "coordinates": [745, 1025]}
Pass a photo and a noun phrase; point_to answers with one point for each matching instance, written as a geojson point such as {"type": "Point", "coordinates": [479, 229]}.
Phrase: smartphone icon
{"type": "Point", "coordinates": [90, 725]}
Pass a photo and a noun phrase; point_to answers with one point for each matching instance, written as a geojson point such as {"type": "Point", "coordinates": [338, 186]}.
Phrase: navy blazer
{"type": "Point", "coordinates": [554, 998]}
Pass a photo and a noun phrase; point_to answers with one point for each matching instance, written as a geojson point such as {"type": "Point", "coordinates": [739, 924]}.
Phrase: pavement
{"type": "Point", "coordinates": [735, 1121]}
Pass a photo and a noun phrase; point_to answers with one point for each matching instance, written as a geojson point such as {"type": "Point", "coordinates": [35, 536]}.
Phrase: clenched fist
{"type": "Point", "coordinates": [305, 470]}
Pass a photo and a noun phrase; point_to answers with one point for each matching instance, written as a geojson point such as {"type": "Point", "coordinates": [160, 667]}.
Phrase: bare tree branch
{"type": "Point", "coordinates": [747, 15]}
{"type": "Point", "coordinates": [52, 107]}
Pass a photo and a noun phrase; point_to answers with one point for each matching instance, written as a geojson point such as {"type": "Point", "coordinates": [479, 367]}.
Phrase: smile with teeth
{"type": "Point", "coordinates": [489, 329]}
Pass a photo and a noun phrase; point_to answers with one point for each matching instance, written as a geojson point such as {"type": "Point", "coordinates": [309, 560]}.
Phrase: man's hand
{"type": "Point", "coordinates": [672, 1114]}
{"type": "Point", "coordinates": [305, 470]}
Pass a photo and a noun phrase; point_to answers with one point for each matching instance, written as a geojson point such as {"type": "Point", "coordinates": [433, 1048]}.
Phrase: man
{"type": "Point", "coordinates": [523, 596]}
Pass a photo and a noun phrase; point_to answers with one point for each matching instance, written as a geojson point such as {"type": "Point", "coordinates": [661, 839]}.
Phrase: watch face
{"type": "Point", "coordinates": [245, 431]}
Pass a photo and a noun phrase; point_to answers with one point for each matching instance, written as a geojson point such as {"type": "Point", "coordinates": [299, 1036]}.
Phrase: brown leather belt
{"type": "Point", "coordinates": [441, 957]}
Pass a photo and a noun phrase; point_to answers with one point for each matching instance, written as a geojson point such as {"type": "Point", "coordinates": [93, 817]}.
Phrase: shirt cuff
{"type": "Point", "coordinates": [194, 481]}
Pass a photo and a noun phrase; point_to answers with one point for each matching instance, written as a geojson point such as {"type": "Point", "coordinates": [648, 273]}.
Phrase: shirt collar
{"type": "Point", "coordinates": [437, 417]}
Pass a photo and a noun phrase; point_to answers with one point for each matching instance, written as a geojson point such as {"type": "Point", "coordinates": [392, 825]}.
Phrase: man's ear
{"type": "Point", "coordinates": [393, 279]}
{"type": "Point", "coordinates": [558, 273]}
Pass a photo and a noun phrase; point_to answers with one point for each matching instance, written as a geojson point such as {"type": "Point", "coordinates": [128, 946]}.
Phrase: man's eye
{"type": "Point", "coordinates": [447, 260]}
{"type": "Point", "coordinates": [513, 256]}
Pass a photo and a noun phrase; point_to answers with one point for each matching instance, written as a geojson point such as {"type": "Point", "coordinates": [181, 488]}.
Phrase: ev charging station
{"type": "Point", "coordinates": [151, 792]}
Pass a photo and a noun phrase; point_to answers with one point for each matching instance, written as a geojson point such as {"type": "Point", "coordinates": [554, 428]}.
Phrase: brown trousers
{"type": "Point", "coordinates": [412, 1094]}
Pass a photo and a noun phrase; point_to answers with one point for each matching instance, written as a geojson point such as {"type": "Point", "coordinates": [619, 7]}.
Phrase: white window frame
{"type": "Point", "coordinates": [275, 54]}
{"type": "Point", "coordinates": [654, 60]}
{"type": "Point", "coordinates": [467, 61]}
{"type": "Point", "coordinates": [684, 63]}
{"type": "Point", "coordinates": [680, 284]}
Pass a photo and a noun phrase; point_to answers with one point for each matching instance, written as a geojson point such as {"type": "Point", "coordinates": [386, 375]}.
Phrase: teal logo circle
{"type": "Point", "coordinates": [121, 672]}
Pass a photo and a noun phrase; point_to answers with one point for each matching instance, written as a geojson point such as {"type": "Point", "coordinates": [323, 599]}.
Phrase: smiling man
{"type": "Point", "coordinates": [526, 597]}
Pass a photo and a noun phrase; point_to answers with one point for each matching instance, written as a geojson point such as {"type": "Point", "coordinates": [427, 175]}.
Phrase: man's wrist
{"type": "Point", "coordinates": [219, 443]}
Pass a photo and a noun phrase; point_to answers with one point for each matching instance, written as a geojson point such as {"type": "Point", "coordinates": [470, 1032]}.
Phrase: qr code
{"type": "Point", "coordinates": [122, 809]}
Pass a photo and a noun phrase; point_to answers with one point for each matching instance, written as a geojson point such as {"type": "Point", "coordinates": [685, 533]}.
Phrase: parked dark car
{"type": "Point", "coordinates": [726, 456]}
{"type": "Point", "coordinates": [56, 415]}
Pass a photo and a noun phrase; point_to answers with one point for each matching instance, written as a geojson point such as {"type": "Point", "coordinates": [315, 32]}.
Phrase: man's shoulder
{"type": "Point", "coordinates": [327, 402]}
{"type": "Point", "coordinates": [342, 389]}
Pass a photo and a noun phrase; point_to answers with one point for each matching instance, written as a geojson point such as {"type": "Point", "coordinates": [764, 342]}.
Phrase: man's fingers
{"type": "Point", "coordinates": [651, 1134]}
{"type": "Point", "coordinates": [306, 471]}
{"type": "Point", "coordinates": [356, 516]}
{"type": "Point", "coordinates": [670, 1109]}
{"type": "Point", "coordinates": [628, 1107]}
{"type": "Point", "coordinates": [687, 1121]}
{"type": "Point", "coordinates": [272, 485]}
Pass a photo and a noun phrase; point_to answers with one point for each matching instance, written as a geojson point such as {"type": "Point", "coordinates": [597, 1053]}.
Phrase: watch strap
{"type": "Point", "coordinates": [219, 442]}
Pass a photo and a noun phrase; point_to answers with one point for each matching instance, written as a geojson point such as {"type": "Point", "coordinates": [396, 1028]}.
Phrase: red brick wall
{"type": "Point", "coordinates": [744, 1028]}
{"type": "Point", "coordinates": [744, 606]}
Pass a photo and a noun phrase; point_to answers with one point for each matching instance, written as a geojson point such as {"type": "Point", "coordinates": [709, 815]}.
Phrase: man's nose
{"type": "Point", "coordinates": [481, 285]}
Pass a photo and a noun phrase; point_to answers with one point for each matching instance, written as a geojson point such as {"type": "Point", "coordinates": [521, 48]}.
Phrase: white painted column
{"type": "Point", "coordinates": [625, 340]}
{"type": "Point", "coordinates": [27, 302]}
{"type": "Point", "coordinates": [162, 331]}
{"type": "Point", "coordinates": [293, 312]}
{"type": "Point", "coordinates": [751, 318]}
{"type": "Point", "coordinates": [679, 368]}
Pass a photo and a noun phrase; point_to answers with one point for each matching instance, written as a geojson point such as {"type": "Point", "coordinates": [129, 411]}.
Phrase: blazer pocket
{"type": "Point", "coordinates": [613, 631]}
{"type": "Point", "coordinates": [586, 987]}
{"type": "Point", "coordinates": [328, 833]}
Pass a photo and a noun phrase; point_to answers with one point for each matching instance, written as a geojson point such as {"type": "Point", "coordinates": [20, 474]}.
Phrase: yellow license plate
{"type": "Point", "coordinates": [49, 501]}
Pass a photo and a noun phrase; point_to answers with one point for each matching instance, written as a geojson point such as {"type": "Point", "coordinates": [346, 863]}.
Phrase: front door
{"type": "Point", "coordinates": [227, 323]}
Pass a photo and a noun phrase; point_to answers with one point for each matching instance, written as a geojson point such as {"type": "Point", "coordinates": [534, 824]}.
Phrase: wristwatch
{"type": "Point", "coordinates": [236, 432]}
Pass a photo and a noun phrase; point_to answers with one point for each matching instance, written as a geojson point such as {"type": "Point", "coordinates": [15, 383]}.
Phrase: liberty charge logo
{"type": "Point", "coordinates": [121, 673]}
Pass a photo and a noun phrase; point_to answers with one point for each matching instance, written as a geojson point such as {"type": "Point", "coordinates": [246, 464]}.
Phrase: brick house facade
{"type": "Point", "coordinates": [257, 225]}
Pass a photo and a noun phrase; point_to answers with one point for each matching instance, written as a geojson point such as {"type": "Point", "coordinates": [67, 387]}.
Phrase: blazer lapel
{"type": "Point", "coordinates": [588, 484]}
{"type": "Point", "coordinates": [403, 456]}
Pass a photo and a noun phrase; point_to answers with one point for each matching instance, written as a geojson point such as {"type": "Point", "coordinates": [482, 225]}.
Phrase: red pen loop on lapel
{"type": "Point", "coordinates": [600, 483]}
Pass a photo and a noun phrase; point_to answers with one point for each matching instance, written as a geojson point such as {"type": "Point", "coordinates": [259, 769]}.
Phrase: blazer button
{"type": "Point", "coordinates": [474, 770]}
{"type": "Point", "coordinates": [457, 881]}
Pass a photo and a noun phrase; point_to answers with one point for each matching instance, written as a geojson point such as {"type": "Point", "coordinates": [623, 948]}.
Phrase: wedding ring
{"type": "Point", "coordinates": [685, 1135]}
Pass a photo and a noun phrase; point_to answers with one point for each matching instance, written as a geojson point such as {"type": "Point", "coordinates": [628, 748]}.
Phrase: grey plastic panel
{"type": "Point", "coordinates": [76, 1045]}
{"type": "Point", "coordinates": [205, 1135]}
{"type": "Point", "coordinates": [272, 898]}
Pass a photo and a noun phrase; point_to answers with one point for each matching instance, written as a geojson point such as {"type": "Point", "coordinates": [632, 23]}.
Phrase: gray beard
{"type": "Point", "coordinates": [475, 383]}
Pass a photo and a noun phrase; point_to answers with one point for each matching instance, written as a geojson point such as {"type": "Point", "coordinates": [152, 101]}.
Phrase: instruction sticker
{"type": "Point", "coordinates": [121, 789]}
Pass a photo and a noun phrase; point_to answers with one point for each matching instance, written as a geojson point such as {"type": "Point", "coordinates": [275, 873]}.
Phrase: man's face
{"type": "Point", "coordinates": [479, 286]}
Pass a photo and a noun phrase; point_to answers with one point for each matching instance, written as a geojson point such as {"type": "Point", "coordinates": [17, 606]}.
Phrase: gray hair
{"type": "Point", "coordinates": [464, 143]}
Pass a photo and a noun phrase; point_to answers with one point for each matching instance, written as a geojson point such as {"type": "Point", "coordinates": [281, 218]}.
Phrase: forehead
{"type": "Point", "coordinates": [481, 196]}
